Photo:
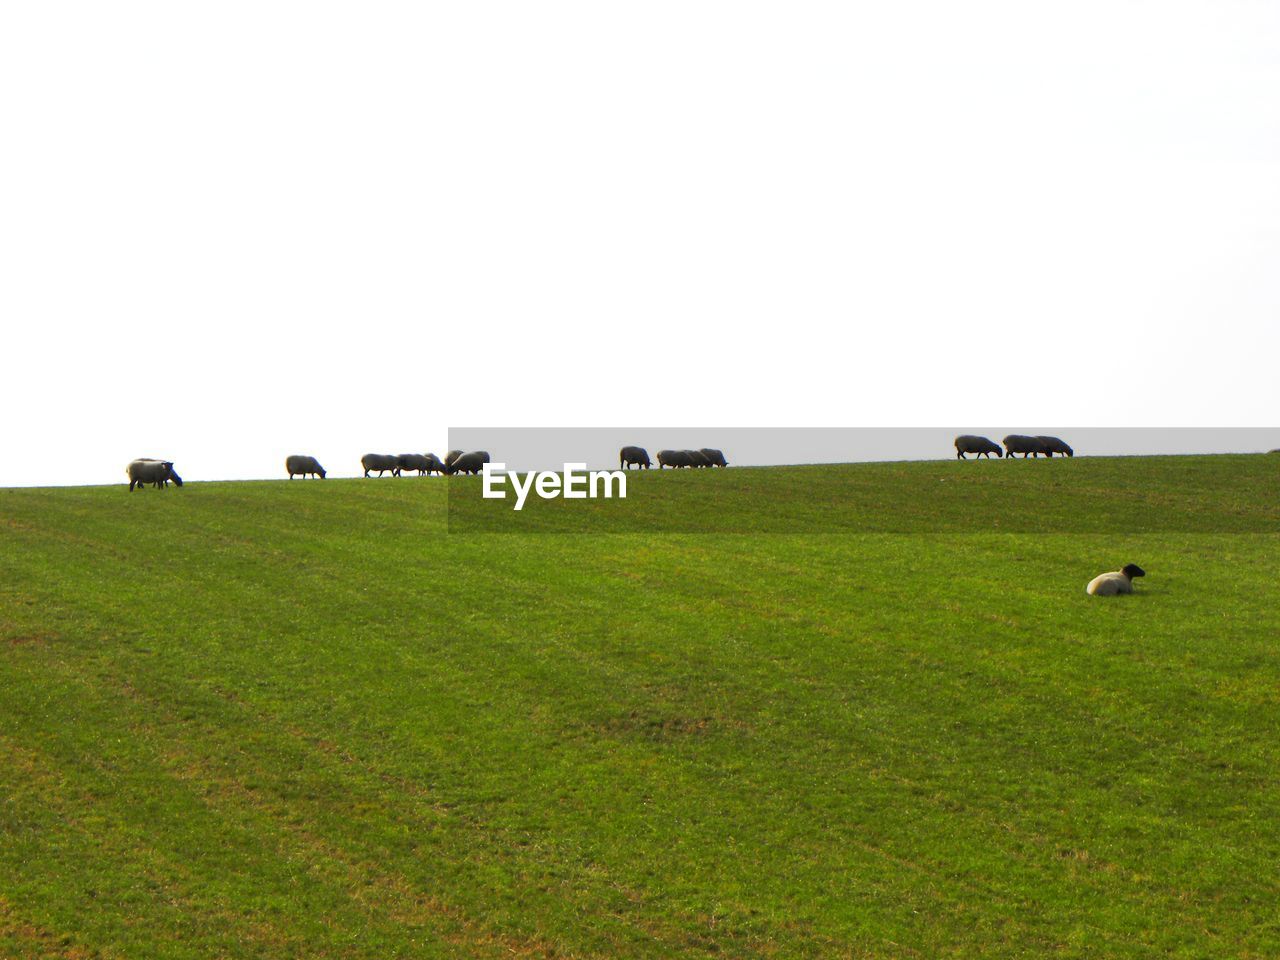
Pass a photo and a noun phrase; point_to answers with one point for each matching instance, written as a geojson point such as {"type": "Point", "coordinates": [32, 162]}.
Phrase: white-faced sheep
{"type": "Point", "coordinates": [1110, 584]}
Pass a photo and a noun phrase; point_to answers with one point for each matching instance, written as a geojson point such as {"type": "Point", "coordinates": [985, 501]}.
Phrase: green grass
{"type": "Point", "coordinates": [304, 719]}
{"type": "Point", "coordinates": [1218, 494]}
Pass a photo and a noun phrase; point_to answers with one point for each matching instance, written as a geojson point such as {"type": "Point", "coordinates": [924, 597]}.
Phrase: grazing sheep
{"type": "Point", "coordinates": [164, 482]}
{"type": "Point", "coordinates": [451, 456]}
{"type": "Point", "coordinates": [1027, 446]}
{"type": "Point", "coordinates": [436, 464]}
{"type": "Point", "coordinates": [1054, 445]}
{"type": "Point", "coordinates": [971, 443]}
{"type": "Point", "coordinates": [418, 462]}
{"type": "Point", "coordinates": [1110, 584]}
{"type": "Point", "coordinates": [381, 462]}
{"type": "Point", "coordinates": [299, 464]}
{"type": "Point", "coordinates": [714, 456]}
{"type": "Point", "coordinates": [638, 456]}
{"type": "Point", "coordinates": [697, 458]}
{"type": "Point", "coordinates": [469, 463]}
{"type": "Point", "coordinates": [158, 472]}
{"type": "Point", "coordinates": [674, 459]}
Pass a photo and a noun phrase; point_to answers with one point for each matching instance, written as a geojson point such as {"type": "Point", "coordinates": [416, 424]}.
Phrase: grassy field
{"type": "Point", "coordinates": [305, 719]}
{"type": "Point", "coordinates": [1220, 494]}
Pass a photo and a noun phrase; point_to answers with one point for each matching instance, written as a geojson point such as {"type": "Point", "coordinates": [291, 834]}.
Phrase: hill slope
{"type": "Point", "coordinates": [1210, 494]}
{"type": "Point", "coordinates": [276, 720]}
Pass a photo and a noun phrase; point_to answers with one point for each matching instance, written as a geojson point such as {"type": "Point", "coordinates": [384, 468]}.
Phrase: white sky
{"type": "Point", "coordinates": [234, 231]}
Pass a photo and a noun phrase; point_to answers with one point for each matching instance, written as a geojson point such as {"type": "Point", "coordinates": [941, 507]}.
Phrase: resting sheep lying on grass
{"type": "Point", "coordinates": [1109, 584]}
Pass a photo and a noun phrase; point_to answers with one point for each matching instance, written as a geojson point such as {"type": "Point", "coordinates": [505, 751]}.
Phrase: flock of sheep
{"type": "Point", "coordinates": [639, 457]}
{"type": "Point", "coordinates": [1013, 443]}
{"type": "Point", "coordinates": [455, 461]}
{"type": "Point", "coordinates": [159, 473]}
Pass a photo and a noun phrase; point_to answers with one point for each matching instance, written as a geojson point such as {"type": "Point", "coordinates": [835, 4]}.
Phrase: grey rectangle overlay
{"type": "Point", "coordinates": [885, 480]}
